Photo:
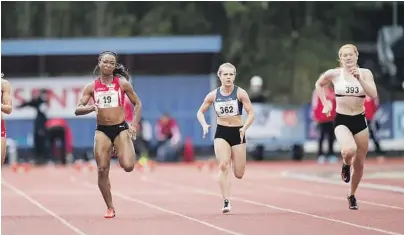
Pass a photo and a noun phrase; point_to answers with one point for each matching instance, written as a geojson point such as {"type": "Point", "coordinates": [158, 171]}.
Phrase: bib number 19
{"type": "Point", "coordinates": [107, 99]}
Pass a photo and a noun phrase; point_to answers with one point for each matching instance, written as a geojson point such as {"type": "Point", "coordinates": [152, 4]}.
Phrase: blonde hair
{"type": "Point", "coordinates": [227, 65]}
{"type": "Point", "coordinates": [346, 46]}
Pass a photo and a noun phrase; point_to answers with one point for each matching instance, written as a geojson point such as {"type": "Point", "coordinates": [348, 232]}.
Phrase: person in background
{"type": "Point", "coordinates": [59, 131]}
{"type": "Point", "coordinates": [256, 91]}
{"type": "Point", "coordinates": [144, 131]}
{"type": "Point", "coordinates": [145, 134]}
{"type": "Point", "coordinates": [40, 104]}
{"type": "Point", "coordinates": [325, 125]}
{"type": "Point", "coordinates": [371, 107]}
{"type": "Point", "coordinates": [168, 136]}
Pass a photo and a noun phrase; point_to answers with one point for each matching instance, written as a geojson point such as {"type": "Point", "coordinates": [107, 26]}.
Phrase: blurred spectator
{"type": "Point", "coordinates": [144, 135]}
{"type": "Point", "coordinates": [371, 107]}
{"type": "Point", "coordinates": [60, 139]}
{"type": "Point", "coordinates": [39, 103]}
{"type": "Point", "coordinates": [325, 124]}
{"type": "Point", "coordinates": [169, 139]}
{"type": "Point", "coordinates": [144, 131]}
{"type": "Point", "coordinates": [256, 93]}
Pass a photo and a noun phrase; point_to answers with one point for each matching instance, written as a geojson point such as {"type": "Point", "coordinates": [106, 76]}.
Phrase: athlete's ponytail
{"type": "Point", "coordinates": [121, 70]}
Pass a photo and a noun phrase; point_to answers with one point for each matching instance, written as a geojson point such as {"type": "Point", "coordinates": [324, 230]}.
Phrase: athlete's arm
{"type": "Point", "coordinates": [245, 99]}
{"type": "Point", "coordinates": [6, 103]}
{"type": "Point", "coordinates": [81, 108]}
{"type": "Point", "coordinates": [134, 99]}
{"type": "Point", "coordinates": [323, 81]}
{"type": "Point", "coordinates": [367, 82]}
{"type": "Point", "coordinates": [207, 102]}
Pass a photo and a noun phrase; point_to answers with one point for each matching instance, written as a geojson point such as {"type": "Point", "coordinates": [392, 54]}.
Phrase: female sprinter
{"type": "Point", "coordinates": [351, 85]}
{"type": "Point", "coordinates": [229, 143]}
{"type": "Point", "coordinates": [6, 107]}
{"type": "Point", "coordinates": [108, 92]}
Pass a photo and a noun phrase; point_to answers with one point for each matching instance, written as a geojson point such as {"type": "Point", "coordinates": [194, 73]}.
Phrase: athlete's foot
{"type": "Point", "coordinates": [352, 202]}
{"type": "Point", "coordinates": [346, 173]}
{"type": "Point", "coordinates": [110, 213]}
{"type": "Point", "coordinates": [226, 206]}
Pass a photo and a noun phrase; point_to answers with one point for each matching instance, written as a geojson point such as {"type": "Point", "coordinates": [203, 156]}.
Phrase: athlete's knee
{"type": "Point", "coordinates": [358, 163]}
{"type": "Point", "coordinates": [224, 165]}
{"type": "Point", "coordinates": [127, 162]}
{"type": "Point", "coordinates": [129, 168]}
{"type": "Point", "coordinates": [349, 152]}
{"type": "Point", "coordinates": [239, 174]}
{"type": "Point", "coordinates": [103, 171]}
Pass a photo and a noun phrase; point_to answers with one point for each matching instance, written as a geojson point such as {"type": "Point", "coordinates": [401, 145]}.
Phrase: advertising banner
{"type": "Point", "coordinates": [398, 120]}
{"type": "Point", "coordinates": [384, 120]}
{"type": "Point", "coordinates": [276, 127]}
{"type": "Point", "coordinates": [63, 93]}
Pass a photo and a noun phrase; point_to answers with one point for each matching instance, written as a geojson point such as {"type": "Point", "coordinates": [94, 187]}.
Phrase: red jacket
{"type": "Point", "coordinates": [317, 106]}
{"type": "Point", "coordinates": [371, 106]}
{"type": "Point", "coordinates": [68, 134]}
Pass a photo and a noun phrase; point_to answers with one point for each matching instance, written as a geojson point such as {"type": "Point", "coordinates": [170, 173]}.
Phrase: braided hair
{"type": "Point", "coordinates": [119, 68]}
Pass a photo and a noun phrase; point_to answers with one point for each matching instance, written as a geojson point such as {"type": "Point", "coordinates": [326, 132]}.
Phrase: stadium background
{"type": "Point", "coordinates": [173, 51]}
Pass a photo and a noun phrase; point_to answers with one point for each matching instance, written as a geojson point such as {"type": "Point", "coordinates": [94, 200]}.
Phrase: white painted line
{"type": "Point", "coordinates": [307, 193]}
{"type": "Point", "coordinates": [317, 179]}
{"type": "Point", "coordinates": [128, 198]}
{"type": "Point", "coordinates": [42, 207]}
{"type": "Point", "coordinates": [205, 192]}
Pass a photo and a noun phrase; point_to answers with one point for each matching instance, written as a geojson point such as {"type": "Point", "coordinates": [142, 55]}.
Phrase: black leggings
{"type": "Point", "coordinates": [326, 129]}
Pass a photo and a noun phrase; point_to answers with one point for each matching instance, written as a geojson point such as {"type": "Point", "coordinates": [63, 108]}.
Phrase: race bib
{"type": "Point", "coordinates": [227, 108]}
{"type": "Point", "coordinates": [107, 99]}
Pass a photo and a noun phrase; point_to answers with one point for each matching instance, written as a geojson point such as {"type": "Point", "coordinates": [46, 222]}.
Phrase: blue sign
{"type": "Point", "coordinates": [384, 120]}
{"type": "Point", "coordinates": [398, 119]}
{"type": "Point", "coordinates": [276, 127]}
{"type": "Point", "coordinates": [311, 126]}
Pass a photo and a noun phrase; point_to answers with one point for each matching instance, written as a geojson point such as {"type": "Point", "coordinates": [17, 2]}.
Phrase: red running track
{"type": "Point", "coordinates": [179, 199]}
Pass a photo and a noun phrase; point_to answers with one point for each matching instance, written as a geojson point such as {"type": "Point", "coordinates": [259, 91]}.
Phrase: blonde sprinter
{"type": "Point", "coordinates": [351, 85]}
{"type": "Point", "coordinates": [229, 144]}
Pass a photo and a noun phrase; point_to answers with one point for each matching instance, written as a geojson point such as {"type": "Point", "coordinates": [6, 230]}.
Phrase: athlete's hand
{"type": "Point", "coordinates": [327, 107]}
{"type": "Point", "coordinates": [94, 108]}
{"type": "Point", "coordinates": [242, 134]}
{"type": "Point", "coordinates": [355, 72]}
{"type": "Point", "coordinates": [205, 130]}
{"type": "Point", "coordinates": [132, 131]}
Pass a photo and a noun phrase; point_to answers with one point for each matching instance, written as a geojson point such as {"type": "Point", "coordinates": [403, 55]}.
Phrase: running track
{"type": "Point", "coordinates": [282, 198]}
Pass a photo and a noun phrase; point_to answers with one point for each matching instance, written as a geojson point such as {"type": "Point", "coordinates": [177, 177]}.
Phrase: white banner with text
{"type": "Point", "coordinates": [63, 92]}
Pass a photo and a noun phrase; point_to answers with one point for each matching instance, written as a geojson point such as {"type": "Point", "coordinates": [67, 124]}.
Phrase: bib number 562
{"type": "Point", "coordinates": [226, 109]}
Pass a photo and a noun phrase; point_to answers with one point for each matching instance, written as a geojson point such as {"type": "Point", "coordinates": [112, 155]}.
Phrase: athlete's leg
{"type": "Point", "coordinates": [348, 150]}
{"type": "Point", "coordinates": [102, 155]}
{"type": "Point", "coordinates": [362, 141]}
{"type": "Point", "coordinates": [223, 153]}
{"type": "Point", "coordinates": [3, 149]}
{"type": "Point", "coordinates": [239, 159]}
{"type": "Point", "coordinates": [125, 151]}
